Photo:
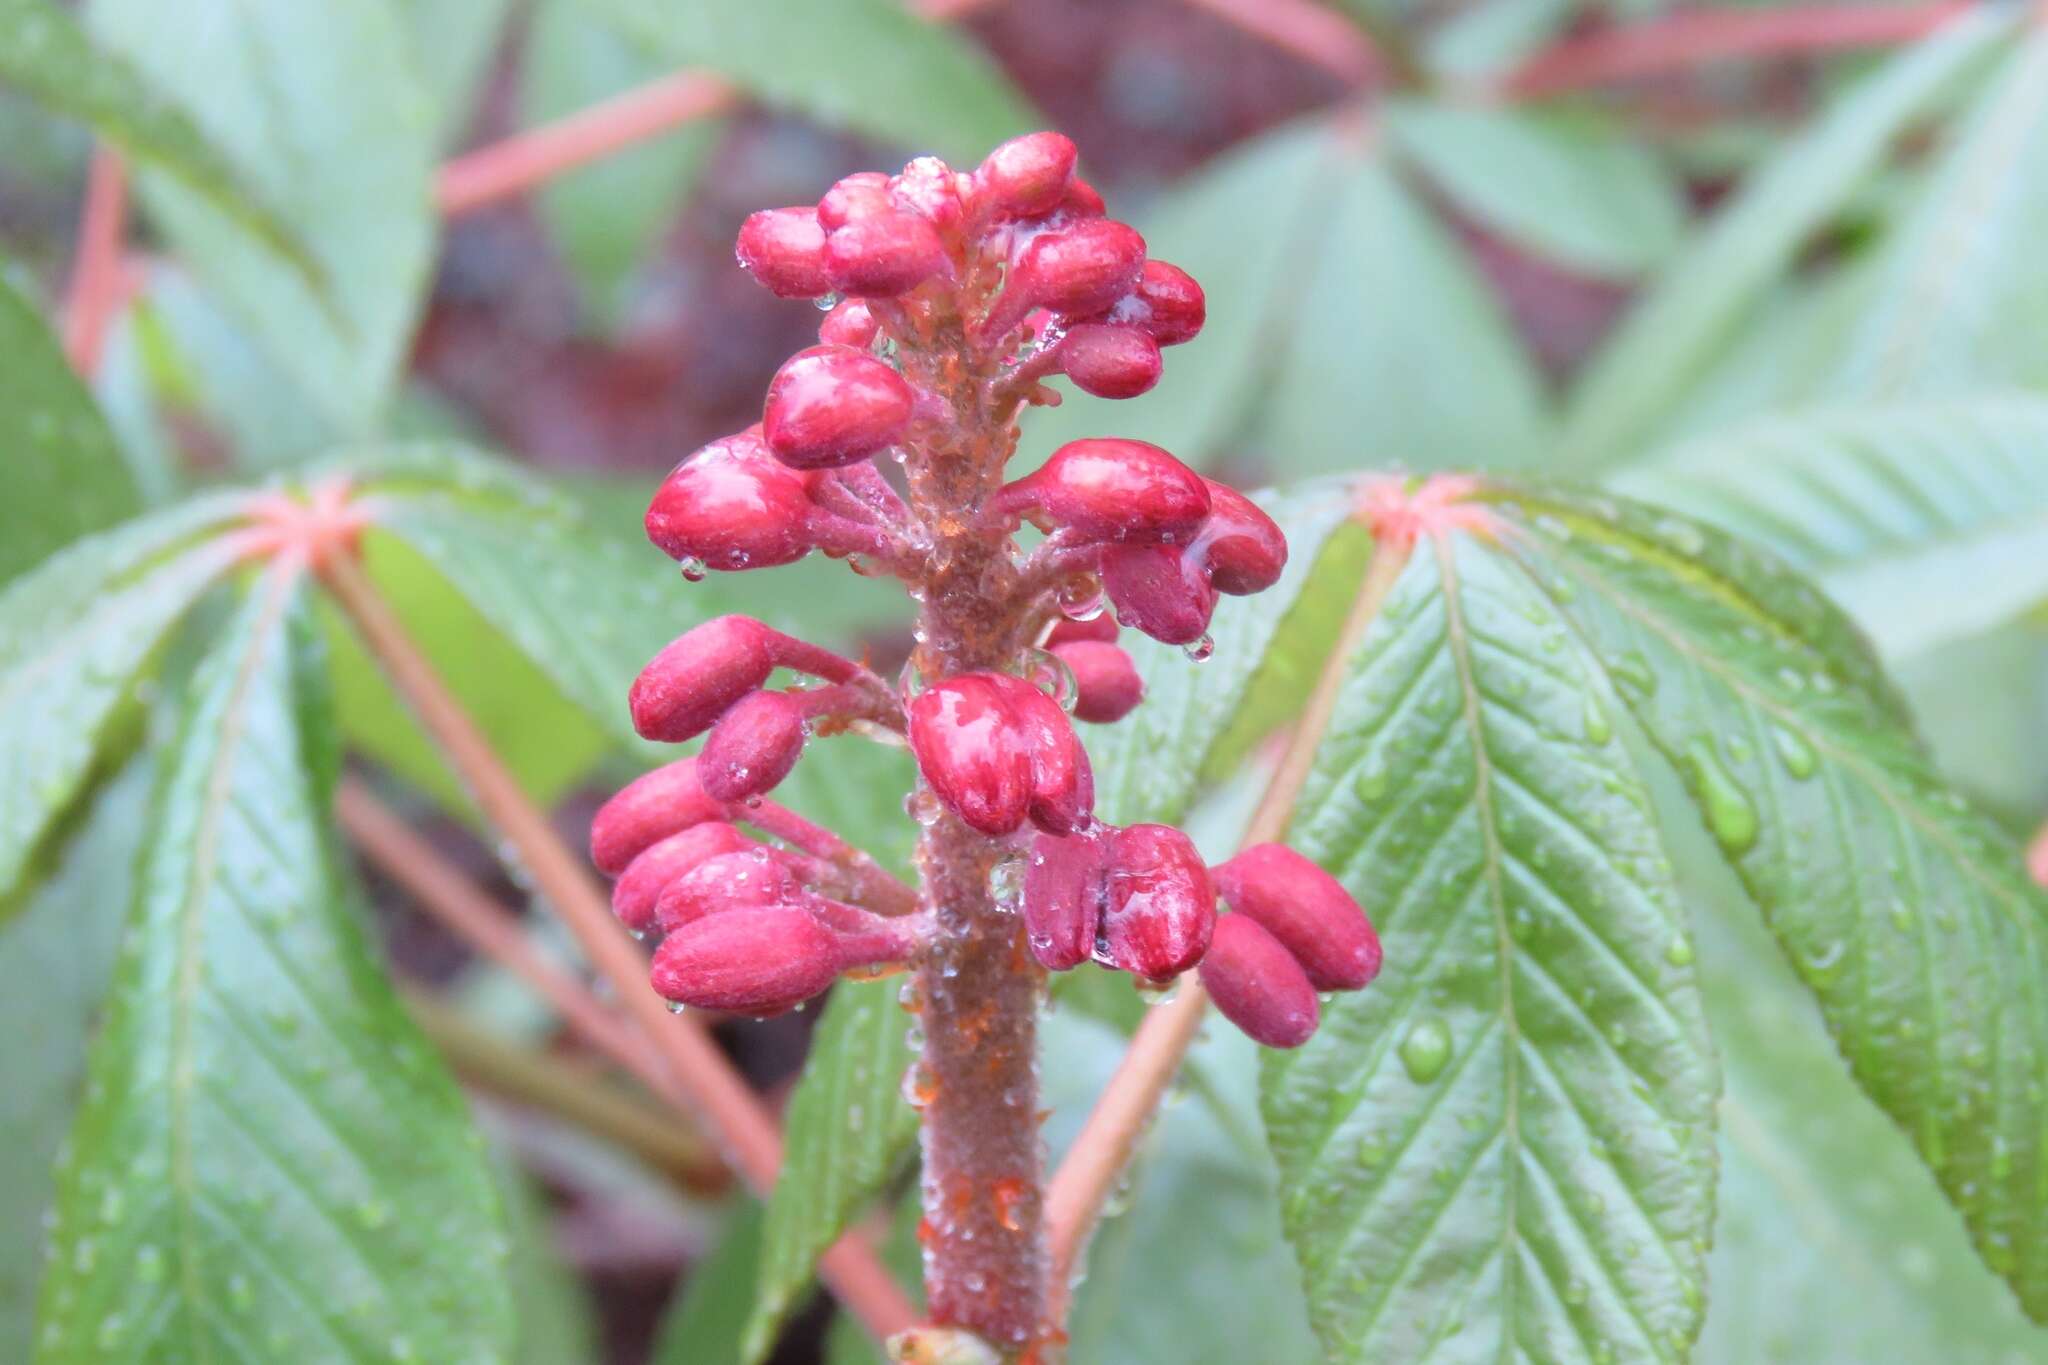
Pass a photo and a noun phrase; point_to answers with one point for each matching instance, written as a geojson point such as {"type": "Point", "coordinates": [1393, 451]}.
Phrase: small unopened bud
{"type": "Point", "coordinates": [1067, 630]}
{"type": "Point", "coordinates": [1161, 907]}
{"type": "Point", "coordinates": [1062, 782]}
{"type": "Point", "coordinates": [1026, 176]}
{"type": "Point", "coordinates": [755, 962]}
{"type": "Point", "coordinates": [929, 188]}
{"type": "Point", "coordinates": [752, 747]}
{"type": "Point", "coordinates": [833, 405]}
{"type": "Point", "coordinates": [1107, 488]}
{"type": "Point", "coordinates": [1258, 986]}
{"type": "Point", "coordinates": [1064, 886]}
{"type": "Point", "coordinates": [1077, 271]}
{"type": "Point", "coordinates": [1244, 549]}
{"type": "Point", "coordinates": [1106, 683]}
{"type": "Point", "coordinates": [864, 194]}
{"type": "Point", "coordinates": [884, 255]}
{"type": "Point", "coordinates": [697, 676]}
{"type": "Point", "coordinates": [1167, 303]}
{"type": "Point", "coordinates": [850, 323]}
{"type": "Point", "coordinates": [1307, 910]}
{"type": "Point", "coordinates": [1110, 361]}
{"type": "Point", "coordinates": [996, 750]}
{"type": "Point", "coordinates": [648, 809]}
{"type": "Point", "coordinates": [731, 506]}
{"type": "Point", "coordinates": [1160, 590]}
{"type": "Point", "coordinates": [639, 887]}
{"type": "Point", "coordinates": [785, 250]}
{"type": "Point", "coordinates": [748, 879]}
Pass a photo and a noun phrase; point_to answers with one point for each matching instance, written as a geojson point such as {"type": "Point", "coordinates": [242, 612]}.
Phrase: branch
{"type": "Point", "coordinates": [1084, 1179]}
{"type": "Point", "coordinates": [518, 163]}
{"type": "Point", "coordinates": [95, 291]}
{"type": "Point", "coordinates": [733, 1113]}
{"type": "Point", "coordinates": [1679, 42]}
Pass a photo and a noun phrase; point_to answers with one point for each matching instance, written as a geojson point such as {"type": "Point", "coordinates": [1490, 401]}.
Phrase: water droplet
{"type": "Point", "coordinates": [1679, 952]}
{"type": "Point", "coordinates": [1081, 599]}
{"type": "Point", "coordinates": [1372, 1152]}
{"type": "Point", "coordinates": [1793, 751]}
{"type": "Point", "coordinates": [826, 302]}
{"type": "Point", "coordinates": [1199, 651]}
{"type": "Point", "coordinates": [1632, 672]}
{"type": "Point", "coordinates": [373, 1213]}
{"type": "Point", "coordinates": [1006, 883]}
{"type": "Point", "coordinates": [1730, 815]}
{"type": "Point", "coordinates": [1371, 783]}
{"type": "Point", "coordinates": [1425, 1050]}
{"type": "Point", "coordinates": [692, 568]}
{"type": "Point", "coordinates": [1575, 1292]}
{"type": "Point", "coordinates": [1598, 728]}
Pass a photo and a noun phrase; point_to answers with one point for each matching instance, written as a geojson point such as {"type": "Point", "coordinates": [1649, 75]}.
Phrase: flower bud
{"type": "Point", "coordinates": [1243, 548]}
{"type": "Point", "coordinates": [1068, 629]}
{"type": "Point", "coordinates": [1110, 361]}
{"type": "Point", "coordinates": [1107, 488]}
{"type": "Point", "coordinates": [731, 506]}
{"type": "Point", "coordinates": [864, 194]}
{"type": "Point", "coordinates": [1065, 881]}
{"type": "Point", "coordinates": [749, 879]}
{"type": "Point", "coordinates": [1026, 176]}
{"type": "Point", "coordinates": [1078, 271]}
{"type": "Point", "coordinates": [850, 323]}
{"type": "Point", "coordinates": [884, 255]}
{"type": "Point", "coordinates": [784, 249]}
{"type": "Point", "coordinates": [1167, 303]}
{"type": "Point", "coordinates": [968, 749]}
{"type": "Point", "coordinates": [756, 962]}
{"type": "Point", "coordinates": [1081, 200]}
{"type": "Point", "coordinates": [1307, 910]}
{"type": "Point", "coordinates": [929, 188]}
{"type": "Point", "coordinates": [646, 810]}
{"type": "Point", "coordinates": [1258, 986]}
{"type": "Point", "coordinates": [1160, 590]}
{"type": "Point", "coordinates": [1160, 908]}
{"type": "Point", "coordinates": [752, 747]}
{"type": "Point", "coordinates": [1062, 783]}
{"type": "Point", "coordinates": [1106, 683]}
{"type": "Point", "coordinates": [833, 405]}
{"type": "Point", "coordinates": [697, 676]}
{"type": "Point", "coordinates": [639, 887]}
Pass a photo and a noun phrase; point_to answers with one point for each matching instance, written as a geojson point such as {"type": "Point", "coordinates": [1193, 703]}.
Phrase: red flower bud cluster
{"type": "Point", "coordinates": [997, 750]}
{"type": "Point", "coordinates": [1295, 931]}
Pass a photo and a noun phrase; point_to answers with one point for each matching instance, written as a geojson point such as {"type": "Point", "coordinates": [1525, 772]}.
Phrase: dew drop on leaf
{"type": "Point", "coordinates": [1679, 952]}
{"type": "Point", "coordinates": [1425, 1050]}
{"type": "Point", "coordinates": [1793, 751]}
{"type": "Point", "coordinates": [1633, 674]}
{"type": "Point", "coordinates": [1731, 816]}
{"type": "Point", "coordinates": [1598, 728]}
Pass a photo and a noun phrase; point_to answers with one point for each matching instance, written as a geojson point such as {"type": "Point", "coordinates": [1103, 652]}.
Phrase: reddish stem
{"type": "Point", "coordinates": [1685, 40]}
{"type": "Point", "coordinates": [95, 293]}
{"type": "Point", "coordinates": [1319, 36]}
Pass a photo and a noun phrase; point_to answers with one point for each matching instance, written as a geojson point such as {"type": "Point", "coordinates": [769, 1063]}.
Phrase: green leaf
{"type": "Point", "coordinates": [703, 1326]}
{"type": "Point", "coordinates": [847, 1132]}
{"type": "Point", "coordinates": [270, 1163]}
{"type": "Point", "coordinates": [47, 57]}
{"type": "Point", "coordinates": [1927, 521]}
{"type": "Point", "coordinates": [59, 955]}
{"type": "Point", "coordinates": [1956, 298]}
{"type": "Point", "coordinates": [1686, 318]}
{"type": "Point", "coordinates": [1504, 1147]}
{"type": "Point", "coordinates": [344, 156]}
{"type": "Point", "coordinates": [453, 43]}
{"type": "Point", "coordinates": [606, 217]}
{"type": "Point", "coordinates": [62, 475]}
{"type": "Point", "coordinates": [867, 66]}
{"type": "Point", "coordinates": [1907, 913]}
{"type": "Point", "coordinates": [555, 1323]}
{"type": "Point", "coordinates": [1570, 187]}
{"type": "Point", "coordinates": [74, 633]}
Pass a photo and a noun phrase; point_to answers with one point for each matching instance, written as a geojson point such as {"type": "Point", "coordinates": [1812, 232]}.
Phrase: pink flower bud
{"type": "Point", "coordinates": [698, 675]}
{"type": "Point", "coordinates": [750, 879]}
{"type": "Point", "coordinates": [752, 747]}
{"type": "Point", "coordinates": [1065, 631]}
{"type": "Point", "coordinates": [1081, 200]}
{"type": "Point", "coordinates": [884, 255]}
{"type": "Point", "coordinates": [785, 250]}
{"type": "Point", "coordinates": [833, 405]}
{"type": "Point", "coordinates": [1307, 910]}
{"type": "Point", "coordinates": [1110, 361]}
{"type": "Point", "coordinates": [1026, 176]}
{"type": "Point", "coordinates": [1106, 488]}
{"type": "Point", "coordinates": [1160, 590]}
{"type": "Point", "coordinates": [1243, 548]}
{"type": "Point", "coordinates": [929, 188]}
{"type": "Point", "coordinates": [1106, 683]}
{"type": "Point", "coordinates": [1167, 303]}
{"type": "Point", "coordinates": [864, 194]}
{"type": "Point", "coordinates": [1077, 271]}
{"type": "Point", "coordinates": [996, 750]}
{"type": "Point", "coordinates": [850, 323]}
{"type": "Point", "coordinates": [639, 887]}
{"type": "Point", "coordinates": [1258, 986]}
{"type": "Point", "coordinates": [733, 506]}
{"type": "Point", "coordinates": [1161, 908]}
{"type": "Point", "coordinates": [648, 809]}
{"type": "Point", "coordinates": [1065, 881]}
{"type": "Point", "coordinates": [1062, 783]}
{"type": "Point", "coordinates": [756, 962]}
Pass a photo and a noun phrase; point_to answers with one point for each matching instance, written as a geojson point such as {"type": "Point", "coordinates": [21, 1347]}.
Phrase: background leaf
{"type": "Point", "coordinates": [703, 1325]}
{"type": "Point", "coordinates": [345, 159]}
{"type": "Point", "coordinates": [269, 1160]}
{"type": "Point", "coordinates": [1908, 914]}
{"type": "Point", "coordinates": [453, 42]}
{"type": "Point", "coordinates": [62, 475]}
{"type": "Point", "coordinates": [868, 66]}
{"type": "Point", "coordinates": [1927, 521]}
{"type": "Point", "coordinates": [1505, 1146]}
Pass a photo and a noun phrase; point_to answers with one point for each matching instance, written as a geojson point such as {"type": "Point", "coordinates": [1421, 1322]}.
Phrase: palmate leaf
{"type": "Point", "coordinates": [269, 1163]}
{"type": "Point", "coordinates": [1504, 1149]}
{"type": "Point", "coordinates": [847, 1131]}
{"type": "Point", "coordinates": [1927, 521]}
{"type": "Point", "coordinates": [1908, 914]}
{"type": "Point", "coordinates": [74, 633]}
{"type": "Point", "coordinates": [1687, 317]}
